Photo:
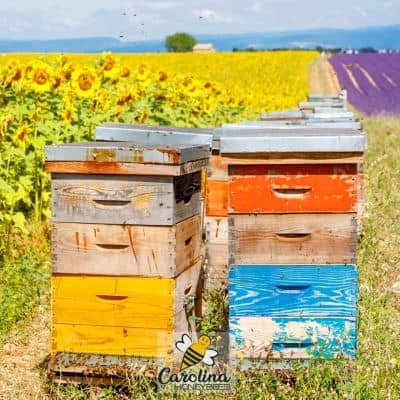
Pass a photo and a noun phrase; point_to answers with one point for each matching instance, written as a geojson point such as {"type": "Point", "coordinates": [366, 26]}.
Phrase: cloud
{"type": "Point", "coordinates": [47, 19]}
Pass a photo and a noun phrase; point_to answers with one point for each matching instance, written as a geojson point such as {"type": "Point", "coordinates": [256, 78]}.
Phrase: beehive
{"type": "Point", "coordinates": [278, 132]}
{"type": "Point", "coordinates": [216, 189]}
{"type": "Point", "coordinates": [292, 229]}
{"type": "Point", "coordinates": [126, 253]}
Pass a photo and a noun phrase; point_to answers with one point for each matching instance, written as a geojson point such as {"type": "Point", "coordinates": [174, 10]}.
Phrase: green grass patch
{"type": "Point", "coordinates": [24, 276]}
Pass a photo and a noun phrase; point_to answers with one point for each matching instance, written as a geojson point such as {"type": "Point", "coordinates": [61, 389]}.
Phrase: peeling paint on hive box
{"type": "Point", "coordinates": [135, 200]}
{"type": "Point", "coordinates": [292, 338]}
{"type": "Point", "coordinates": [128, 152]}
{"type": "Point", "coordinates": [292, 188]}
{"type": "Point", "coordinates": [295, 290]}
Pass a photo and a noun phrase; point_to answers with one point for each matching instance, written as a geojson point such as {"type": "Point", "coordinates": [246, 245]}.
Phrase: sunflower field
{"type": "Point", "coordinates": [56, 99]}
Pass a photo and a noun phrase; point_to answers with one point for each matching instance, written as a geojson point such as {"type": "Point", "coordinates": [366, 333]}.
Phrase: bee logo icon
{"type": "Point", "coordinates": [195, 353]}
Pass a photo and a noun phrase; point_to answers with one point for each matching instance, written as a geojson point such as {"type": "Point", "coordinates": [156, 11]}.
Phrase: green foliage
{"type": "Point", "coordinates": [180, 42]}
{"type": "Point", "coordinates": [216, 316]}
{"type": "Point", "coordinates": [24, 276]}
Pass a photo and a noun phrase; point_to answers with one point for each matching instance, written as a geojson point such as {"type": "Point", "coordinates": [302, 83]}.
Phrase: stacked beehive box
{"type": "Point", "coordinates": [126, 253]}
{"type": "Point", "coordinates": [216, 186]}
{"type": "Point", "coordinates": [292, 209]}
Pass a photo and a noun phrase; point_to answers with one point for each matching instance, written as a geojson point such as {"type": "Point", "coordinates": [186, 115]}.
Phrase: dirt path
{"type": "Point", "coordinates": [21, 357]}
{"type": "Point", "coordinates": [323, 80]}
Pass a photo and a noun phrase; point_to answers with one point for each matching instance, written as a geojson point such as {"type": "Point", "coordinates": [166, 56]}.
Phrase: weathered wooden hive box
{"type": "Point", "coordinates": [283, 115]}
{"type": "Point", "coordinates": [309, 106]}
{"type": "Point", "coordinates": [292, 230]}
{"type": "Point", "coordinates": [309, 123]}
{"type": "Point", "coordinates": [126, 252]}
{"type": "Point", "coordinates": [215, 185]}
{"type": "Point", "coordinates": [218, 193]}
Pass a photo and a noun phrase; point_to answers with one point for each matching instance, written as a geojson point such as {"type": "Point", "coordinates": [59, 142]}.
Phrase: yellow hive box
{"type": "Point", "coordinates": [134, 317]}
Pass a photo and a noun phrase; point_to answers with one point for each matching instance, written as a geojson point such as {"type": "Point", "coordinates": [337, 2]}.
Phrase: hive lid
{"type": "Point", "coordinates": [127, 152]}
{"type": "Point", "coordinates": [318, 110]}
{"type": "Point", "coordinates": [283, 114]}
{"type": "Point", "coordinates": [329, 103]}
{"type": "Point", "coordinates": [293, 141]}
{"type": "Point", "coordinates": [324, 98]}
{"type": "Point", "coordinates": [339, 116]}
{"type": "Point", "coordinates": [308, 124]}
{"type": "Point", "coordinates": [150, 134]}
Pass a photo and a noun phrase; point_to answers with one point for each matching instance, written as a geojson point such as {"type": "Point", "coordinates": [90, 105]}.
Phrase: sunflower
{"type": "Point", "coordinates": [68, 114]}
{"type": "Point", "coordinates": [85, 82]}
{"type": "Point", "coordinates": [162, 76]}
{"type": "Point", "coordinates": [103, 100]}
{"type": "Point", "coordinates": [190, 87]}
{"type": "Point", "coordinates": [110, 66]}
{"type": "Point", "coordinates": [13, 74]}
{"type": "Point", "coordinates": [125, 97]}
{"type": "Point", "coordinates": [143, 75]}
{"type": "Point", "coordinates": [21, 135]}
{"type": "Point", "coordinates": [63, 60]}
{"type": "Point", "coordinates": [57, 81]}
{"type": "Point", "coordinates": [40, 77]}
{"type": "Point", "coordinates": [125, 72]}
{"type": "Point", "coordinates": [66, 70]}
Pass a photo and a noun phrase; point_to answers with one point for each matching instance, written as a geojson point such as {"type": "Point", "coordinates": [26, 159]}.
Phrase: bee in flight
{"type": "Point", "coordinates": [194, 353]}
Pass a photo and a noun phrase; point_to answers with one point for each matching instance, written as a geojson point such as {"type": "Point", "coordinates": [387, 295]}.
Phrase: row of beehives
{"type": "Point", "coordinates": [126, 213]}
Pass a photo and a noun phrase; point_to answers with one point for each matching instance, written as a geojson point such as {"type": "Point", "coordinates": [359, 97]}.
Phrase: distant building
{"type": "Point", "coordinates": [204, 48]}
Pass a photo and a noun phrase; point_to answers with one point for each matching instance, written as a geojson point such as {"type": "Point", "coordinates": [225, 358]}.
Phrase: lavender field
{"type": "Point", "coordinates": [372, 81]}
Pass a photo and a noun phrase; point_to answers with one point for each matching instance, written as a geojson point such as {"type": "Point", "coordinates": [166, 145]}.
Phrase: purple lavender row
{"type": "Point", "coordinates": [382, 95]}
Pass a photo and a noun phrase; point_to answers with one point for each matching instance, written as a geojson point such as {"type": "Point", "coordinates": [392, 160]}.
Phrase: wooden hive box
{"type": "Point", "coordinates": [126, 250]}
{"type": "Point", "coordinates": [291, 312]}
{"type": "Point", "coordinates": [268, 171]}
{"type": "Point", "coordinates": [247, 183]}
{"type": "Point", "coordinates": [106, 322]}
{"type": "Point", "coordinates": [309, 106]}
{"type": "Point", "coordinates": [216, 275]}
{"type": "Point", "coordinates": [125, 183]}
{"type": "Point", "coordinates": [309, 122]}
{"type": "Point", "coordinates": [128, 223]}
{"type": "Point", "coordinates": [216, 189]}
{"type": "Point", "coordinates": [341, 97]}
{"type": "Point", "coordinates": [288, 115]}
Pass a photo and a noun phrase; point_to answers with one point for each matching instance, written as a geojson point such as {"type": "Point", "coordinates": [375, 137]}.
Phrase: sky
{"type": "Point", "coordinates": [154, 19]}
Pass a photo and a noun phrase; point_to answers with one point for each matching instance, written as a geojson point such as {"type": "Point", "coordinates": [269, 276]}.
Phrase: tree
{"type": "Point", "coordinates": [367, 50]}
{"type": "Point", "coordinates": [180, 42]}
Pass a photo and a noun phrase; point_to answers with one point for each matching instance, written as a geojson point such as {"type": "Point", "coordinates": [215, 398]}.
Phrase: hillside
{"type": "Point", "coordinates": [377, 37]}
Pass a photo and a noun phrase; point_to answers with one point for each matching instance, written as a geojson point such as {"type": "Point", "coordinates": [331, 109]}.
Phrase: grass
{"type": "Point", "coordinates": [24, 276]}
{"type": "Point", "coordinates": [373, 376]}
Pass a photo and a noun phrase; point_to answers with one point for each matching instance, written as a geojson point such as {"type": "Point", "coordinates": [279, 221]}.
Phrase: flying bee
{"type": "Point", "coordinates": [194, 353]}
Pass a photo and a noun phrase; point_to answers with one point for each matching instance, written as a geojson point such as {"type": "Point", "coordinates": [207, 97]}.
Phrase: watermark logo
{"type": "Point", "coordinates": [198, 369]}
{"type": "Point", "coordinates": [195, 353]}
